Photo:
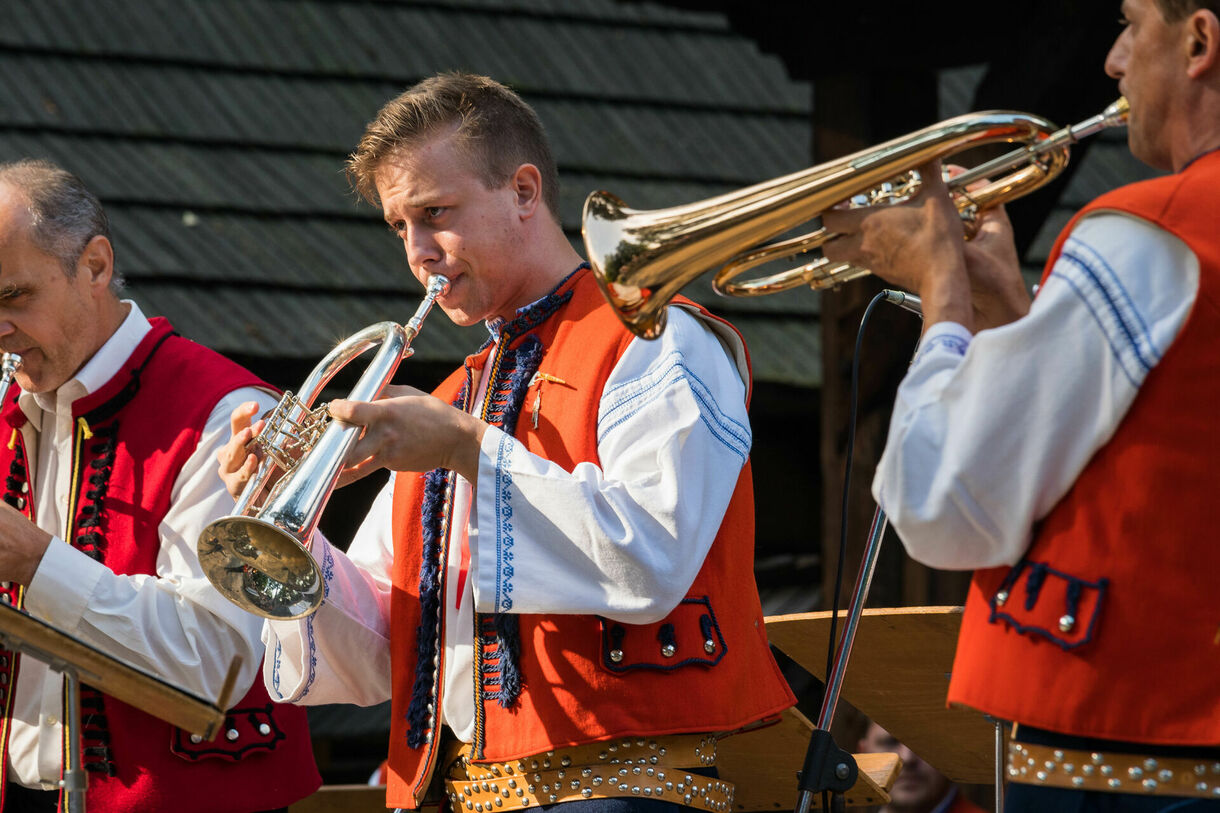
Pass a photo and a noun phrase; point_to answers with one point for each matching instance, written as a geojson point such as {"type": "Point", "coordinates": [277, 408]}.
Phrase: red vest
{"type": "Point", "coordinates": [560, 685]}
{"type": "Point", "coordinates": [133, 437]}
{"type": "Point", "coordinates": [1130, 551]}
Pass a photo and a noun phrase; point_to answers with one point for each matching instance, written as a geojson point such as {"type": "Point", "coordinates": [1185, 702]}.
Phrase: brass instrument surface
{"type": "Point", "coordinates": [642, 258]}
{"type": "Point", "coordinates": [899, 676]}
{"type": "Point", "coordinates": [35, 638]}
{"type": "Point", "coordinates": [258, 556]}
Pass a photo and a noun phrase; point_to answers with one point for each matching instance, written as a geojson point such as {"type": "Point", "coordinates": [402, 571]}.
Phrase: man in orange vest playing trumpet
{"type": "Point", "coordinates": [1066, 450]}
{"type": "Point", "coordinates": [556, 587]}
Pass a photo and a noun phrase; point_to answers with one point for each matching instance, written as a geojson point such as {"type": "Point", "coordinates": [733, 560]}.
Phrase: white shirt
{"type": "Point", "coordinates": [624, 540]}
{"type": "Point", "coordinates": [990, 431]}
{"type": "Point", "coordinates": [174, 624]}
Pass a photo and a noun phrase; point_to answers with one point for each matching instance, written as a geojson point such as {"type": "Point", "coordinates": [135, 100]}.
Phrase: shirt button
{"type": "Point", "coordinates": [52, 720]}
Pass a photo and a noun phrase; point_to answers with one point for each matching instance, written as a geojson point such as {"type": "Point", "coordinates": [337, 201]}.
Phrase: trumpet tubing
{"type": "Point", "coordinates": [8, 370]}
{"type": "Point", "coordinates": [642, 259]}
{"type": "Point", "coordinates": [258, 557]}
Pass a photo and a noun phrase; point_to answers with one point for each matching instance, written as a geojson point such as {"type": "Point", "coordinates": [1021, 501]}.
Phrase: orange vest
{"type": "Point", "coordinates": [1110, 626]}
{"type": "Point", "coordinates": [549, 681]}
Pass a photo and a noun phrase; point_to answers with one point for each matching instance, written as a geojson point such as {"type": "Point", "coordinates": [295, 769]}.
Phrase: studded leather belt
{"type": "Point", "coordinates": [647, 768]}
{"type": "Point", "coordinates": [1113, 771]}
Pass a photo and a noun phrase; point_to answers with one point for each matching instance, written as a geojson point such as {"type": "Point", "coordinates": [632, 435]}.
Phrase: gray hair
{"type": "Point", "coordinates": [64, 214]}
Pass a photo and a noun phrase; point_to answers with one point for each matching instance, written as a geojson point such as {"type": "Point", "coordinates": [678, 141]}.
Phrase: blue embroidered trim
{"type": "Point", "coordinates": [328, 574]}
{"type": "Point", "coordinates": [1038, 572]}
{"type": "Point", "coordinates": [667, 373]}
{"type": "Point", "coordinates": [419, 717]}
{"type": "Point", "coordinates": [538, 312]}
{"type": "Point", "coordinates": [1100, 290]}
{"type": "Point", "coordinates": [504, 526]}
{"type": "Point", "coordinates": [954, 344]}
{"type": "Point", "coordinates": [506, 395]}
{"type": "Point", "coordinates": [614, 637]}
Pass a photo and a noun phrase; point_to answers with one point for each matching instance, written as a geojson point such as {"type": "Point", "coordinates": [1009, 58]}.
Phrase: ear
{"type": "Point", "coordinates": [1202, 42]}
{"type": "Point", "coordinates": [97, 260]}
{"type": "Point", "coordinates": [527, 186]}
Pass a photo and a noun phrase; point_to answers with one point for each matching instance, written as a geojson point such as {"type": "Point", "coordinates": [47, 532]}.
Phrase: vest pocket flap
{"type": "Point", "coordinates": [246, 731]}
{"type": "Point", "coordinates": [1036, 599]}
{"type": "Point", "coordinates": [687, 636]}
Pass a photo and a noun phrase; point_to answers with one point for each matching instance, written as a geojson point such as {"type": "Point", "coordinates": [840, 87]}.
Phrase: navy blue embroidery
{"type": "Point", "coordinates": [954, 344]}
{"type": "Point", "coordinates": [504, 527]}
{"type": "Point", "coordinates": [1101, 291]}
{"type": "Point", "coordinates": [419, 718]}
{"type": "Point", "coordinates": [1033, 585]}
{"type": "Point", "coordinates": [666, 636]}
{"type": "Point", "coordinates": [1040, 575]}
{"type": "Point", "coordinates": [626, 647]}
{"type": "Point", "coordinates": [506, 395]}
{"type": "Point", "coordinates": [508, 643]}
{"type": "Point", "coordinates": [663, 375]}
{"type": "Point", "coordinates": [538, 312]}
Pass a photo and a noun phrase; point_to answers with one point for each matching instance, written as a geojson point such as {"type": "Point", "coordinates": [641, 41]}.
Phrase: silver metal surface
{"type": "Point", "coordinates": [258, 557]}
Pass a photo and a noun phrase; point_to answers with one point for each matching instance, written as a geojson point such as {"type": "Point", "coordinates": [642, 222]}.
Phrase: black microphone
{"type": "Point", "coordinates": [904, 300]}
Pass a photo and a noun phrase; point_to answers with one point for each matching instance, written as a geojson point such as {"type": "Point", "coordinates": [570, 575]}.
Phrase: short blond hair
{"type": "Point", "coordinates": [497, 130]}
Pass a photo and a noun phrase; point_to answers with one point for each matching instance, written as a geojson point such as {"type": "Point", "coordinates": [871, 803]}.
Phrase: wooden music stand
{"type": "Point", "coordinates": [78, 661]}
{"type": "Point", "coordinates": [899, 676]}
{"type": "Point", "coordinates": [763, 764]}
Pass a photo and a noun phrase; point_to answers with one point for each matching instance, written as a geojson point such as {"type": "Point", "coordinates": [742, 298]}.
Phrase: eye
{"type": "Point", "coordinates": [433, 212]}
{"type": "Point", "coordinates": [396, 227]}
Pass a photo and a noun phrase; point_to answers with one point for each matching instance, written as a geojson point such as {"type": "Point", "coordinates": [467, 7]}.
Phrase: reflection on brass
{"type": "Point", "coordinates": [643, 258]}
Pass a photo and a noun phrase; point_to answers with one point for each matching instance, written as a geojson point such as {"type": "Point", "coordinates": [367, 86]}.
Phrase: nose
{"type": "Point", "coordinates": [1116, 60]}
{"type": "Point", "coordinates": [421, 247]}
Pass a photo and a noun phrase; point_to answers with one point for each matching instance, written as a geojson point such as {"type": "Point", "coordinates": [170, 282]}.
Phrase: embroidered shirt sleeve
{"type": "Point", "coordinates": [983, 444]}
{"type": "Point", "coordinates": [340, 654]}
{"type": "Point", "coordinates": [626, 539]}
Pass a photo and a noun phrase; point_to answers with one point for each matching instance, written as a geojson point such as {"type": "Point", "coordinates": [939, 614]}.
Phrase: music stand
{"type": "Point", "coordinates": [899, 678]}
{"type": "Point", "coordinates": [78, 661]}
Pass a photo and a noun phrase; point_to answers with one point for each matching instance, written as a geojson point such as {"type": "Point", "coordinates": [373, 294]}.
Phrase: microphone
{"type": "Point", "coordinates": [906, 301]}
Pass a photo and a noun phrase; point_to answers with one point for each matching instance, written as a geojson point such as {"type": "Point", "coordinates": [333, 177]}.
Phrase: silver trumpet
{"type": "Point", "coordinates": [8, 370]}
{"type": "Point", "coordinates": [258, 556]}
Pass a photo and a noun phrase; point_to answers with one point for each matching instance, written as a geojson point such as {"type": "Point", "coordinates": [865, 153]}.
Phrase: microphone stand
{"type": "Point", "coordinates": [828, 767]}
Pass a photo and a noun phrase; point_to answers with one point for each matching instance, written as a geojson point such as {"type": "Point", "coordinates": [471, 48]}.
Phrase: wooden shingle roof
{"type": "Point", "coordinates": [215, 132]}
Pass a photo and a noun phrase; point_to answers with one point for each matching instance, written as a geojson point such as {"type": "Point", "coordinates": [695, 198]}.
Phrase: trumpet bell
{"type": "Point", "coordinates": [261, 567]}
{"type": "Point", "coordinates": [642, 258]}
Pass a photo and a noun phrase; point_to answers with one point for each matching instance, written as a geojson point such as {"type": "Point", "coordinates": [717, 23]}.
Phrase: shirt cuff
{"type": "Point", "coordinates": [63, 585]}
{"type": "Point", "coordinates": [945, 338]}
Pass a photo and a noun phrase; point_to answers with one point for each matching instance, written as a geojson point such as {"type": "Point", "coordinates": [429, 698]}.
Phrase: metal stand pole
{"type": "Point", "coordinates": [816, 775]}
{"type": "Point", "coordinates": [74, 779]}
{"type": "Point", "coordinates": [834, 683]}
{"type": "Point", "coordinates": [999, 767]}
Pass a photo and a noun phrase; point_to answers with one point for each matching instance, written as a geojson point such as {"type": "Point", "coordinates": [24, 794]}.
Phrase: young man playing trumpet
{"type": "Point", "coordinates": [559, 576]}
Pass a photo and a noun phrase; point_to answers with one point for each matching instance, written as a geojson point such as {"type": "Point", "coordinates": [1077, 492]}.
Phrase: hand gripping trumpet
{"type": "Point", "coordinates": [642, 258]}
{"type": "Point", "coordinates": [258, 556]}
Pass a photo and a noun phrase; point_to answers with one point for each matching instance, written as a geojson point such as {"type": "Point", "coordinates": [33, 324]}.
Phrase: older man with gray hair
{"type": "Point", "coordinates": [108, 451]}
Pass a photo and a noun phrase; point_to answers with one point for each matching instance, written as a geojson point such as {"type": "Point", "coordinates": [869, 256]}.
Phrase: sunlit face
{"type": "Point", "coordinates": [1146, 59]}
{"type": "Point", "coordinates": [919, 786]}
{"type": "Point", "coordinates": [452, 224]}
{"type": "Point", "coordinates": [50, 319]}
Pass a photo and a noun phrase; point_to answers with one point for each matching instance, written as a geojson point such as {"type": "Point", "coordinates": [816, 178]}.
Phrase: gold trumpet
{"type": "Point", "coordinates": [258, 556]}
{"type": "Point", "coordinates": [642, 259]}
